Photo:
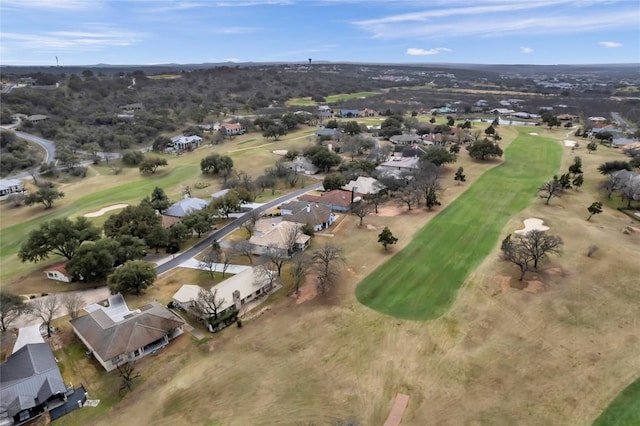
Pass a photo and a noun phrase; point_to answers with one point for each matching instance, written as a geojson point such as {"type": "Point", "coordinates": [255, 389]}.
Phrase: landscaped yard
{"type": "Point", "coordinates": [422, 280]}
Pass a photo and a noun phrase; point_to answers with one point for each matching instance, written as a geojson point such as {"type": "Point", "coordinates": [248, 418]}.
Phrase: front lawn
{"type": "Point", "coordinates": [421, 281]}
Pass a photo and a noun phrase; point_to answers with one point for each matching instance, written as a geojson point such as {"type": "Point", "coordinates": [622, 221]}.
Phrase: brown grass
{"type": "Point", "coordinates": [554, 357]}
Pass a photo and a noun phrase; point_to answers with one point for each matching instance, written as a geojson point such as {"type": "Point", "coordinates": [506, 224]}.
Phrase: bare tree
{"type": "Point", "coordinates": [250, 223]}
{"type": "Point", "coordinates": [11, 307]}
{"type": "Point", "coordinates": [327, 262]}
{"type": "Point", "coordinates": [244, 248]}
{"type": "Point", "coordinates": [361, 210]}
{"type": "Point", "coordinates": [208, 303]}
{"type": "Point", "coordinates": [227, 258]}
{"type": "Point", "coordinates": [263, 276]}
{"type": "Point", "coordinates": [276, 256]}
{"type": "Point", "coordinates": [301, 264]}
{"type": "Point", "coordinates": [516, 254]}
{"type": "Point", "coordinates": [409, 196]}
{"type": "Point", "coordinates": [46, 308]}
{"type": "Point", "coordinates": [210, 260]}
{"type": "Point", "coordinates": [73, 303]}
{"type": "Point", "coordinates": [552, 188]}
{"type": "Point", "coordinates": [127, 374]}
{"type": "Point", "coordinates": [291, 239]}
{"type": "Point", "coordinates": [539, 244]}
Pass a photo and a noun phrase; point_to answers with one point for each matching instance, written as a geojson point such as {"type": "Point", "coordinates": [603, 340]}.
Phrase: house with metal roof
{"type": "Point", "coordinates": [30, 384]}
{"type": "Point", "coordinates": [115, 335]}
{"type": "Point", "coordinates": [278, 235]}
{"type": "Point", "coordinates": [364, 185]}
{"type": "Point", "coordinates": [185, 206]}
{"type": "Point", "coordinates": [182, 142]}
{"type": "Point", "coordinates": [10, 186]}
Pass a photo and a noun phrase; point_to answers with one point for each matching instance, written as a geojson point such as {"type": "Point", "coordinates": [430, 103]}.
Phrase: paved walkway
{"type": "Point", "coordinates": [395, 416]}
{"type": "Point", "coordinates": [232, 269]}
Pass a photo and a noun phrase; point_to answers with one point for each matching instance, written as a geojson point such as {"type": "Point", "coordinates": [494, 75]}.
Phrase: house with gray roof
{"type": "Point", "coordinates": [185, 206]}
{"type": "Point", "coordinates": [10, 186]}
{"type": "Point", "coordinates": [349, 113]}
{"type": "Point", "coordinates": [406, 139]}
{"type": "Point", "coordinates": [30, 384]}
{"type": "Point", "coordinates": [115, 335]}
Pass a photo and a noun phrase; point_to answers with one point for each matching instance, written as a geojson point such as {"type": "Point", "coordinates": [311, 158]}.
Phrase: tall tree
{"type": "Point", "coordinates": [439, 155]}
{"type": "Point", "coordinates": [46, 308]}
{"type": "Point", "coordinates": [199, 221]}
{"type": "Point", "coordinates": [44, 196]}
{"type": "Point", "coordinates": [301, 264]}
{"type": "Point", "coordinates": [159, 199]}
{"type": "Point", "coordinates": [386, 238]}
{"type": "Point", "coordinates": [61, 237]}
{"type": "Point", "coordinates": [138, 221]}
{"type": "Point", "coordinates": [150, 165]}
{"type": "Point", "coordinates": [133, 276]}
{"type": "Point", "coordinates": [11, 307]}
{"type": "Point", "coordinates": [539, 244]}
{"type": "Point", "coordinates": [327, 262]}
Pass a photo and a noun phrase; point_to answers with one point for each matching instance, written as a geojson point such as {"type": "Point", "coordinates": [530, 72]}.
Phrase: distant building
{"type": "Point", "coordinates": [37, 118]}
{"type": "Point", "coordinates": [233, 129]}
{"type": "Point", "coordinates": [186, 143]}
{"type": "Point", "coordinates": [349, 113]}
{"type": "Point", "coordinates": [10, 186]}
{"type": "Point", "coordinates": [58, 272]}
{"type": "Point", "coordinates": [324, 111]}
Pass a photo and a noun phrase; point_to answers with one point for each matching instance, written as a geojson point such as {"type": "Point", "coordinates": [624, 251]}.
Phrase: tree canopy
{"type": "Point", "coordinates": [439, 155]}
{"type": "Point", "coordinates": [386, 238]}
{"type": "Point", "coordinates": [61, 237]}
{"type": "Point", "coordinates": [45, 196]}
{"type": "Point", "coordinates": [134, 276]}
{"type": "Point", "coordinates": [150, 165]}
{"type": "Point", "coordinates": [484, 149]}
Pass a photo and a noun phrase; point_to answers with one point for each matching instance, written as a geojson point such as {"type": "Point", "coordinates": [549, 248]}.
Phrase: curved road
{"type": "Point", "coordinates": [48, 145]}
{"type": "Point", "coordinates": [227, 229]}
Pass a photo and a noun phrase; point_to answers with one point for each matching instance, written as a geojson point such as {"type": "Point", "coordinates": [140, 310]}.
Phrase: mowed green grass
{"type": "Point", "coordinates": [421, 281]}
{"type": "Point", "coordinates": [624, 410]}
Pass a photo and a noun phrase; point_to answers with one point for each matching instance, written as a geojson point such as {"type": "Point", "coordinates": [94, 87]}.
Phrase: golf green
{"type": "Point", "coordinates": [420, 282]}
{"type": "Point", "coordinates": [624, 410]}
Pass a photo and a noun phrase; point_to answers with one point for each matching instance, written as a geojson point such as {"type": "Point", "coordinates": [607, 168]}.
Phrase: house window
{"type": "Point", "coordinates": [51, 275]}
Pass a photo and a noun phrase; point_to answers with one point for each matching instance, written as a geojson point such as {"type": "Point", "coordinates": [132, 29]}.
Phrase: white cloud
{"type": "Point", "coordinates": [95, 39]}
{"type": "Point", "coordinates": [499, 19]}
{"type": "Point", "coordinates": [526, 50]}
{"type": "Point", "coordinates": [51, 4]}
{"type": "Point", "coordinates": [233, 30]}
{"type": "Point", "coordinates": [415, 51]}
{"type": "Point", "coordinates": [231, 60]}
{"type": "Point", "coordinates": [610, 44]}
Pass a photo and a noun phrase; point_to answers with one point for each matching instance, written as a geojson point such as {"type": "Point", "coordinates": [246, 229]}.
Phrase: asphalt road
{"type": "Point", "coordinates": [227, 229]}
{"type": "Point", "coordinates": [48, 145]}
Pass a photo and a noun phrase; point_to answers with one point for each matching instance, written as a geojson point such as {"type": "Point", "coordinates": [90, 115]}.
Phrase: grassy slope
{"type": "Point", "coordinates": [422, 280]}
{"type": "Point", "coordinates": [624, 410]}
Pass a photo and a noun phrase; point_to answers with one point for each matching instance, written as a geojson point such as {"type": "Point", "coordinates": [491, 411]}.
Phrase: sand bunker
{"type": "Point", "coordinates": [533, 134]}
{"type": "Point", "coordinates": [532, 224]}
{"type": "Point", "coordinates": [281, 152]}
{"type": "Point", "coordinates": [568, 142]}
{"type": "Point", "coordinates": [106, 209]}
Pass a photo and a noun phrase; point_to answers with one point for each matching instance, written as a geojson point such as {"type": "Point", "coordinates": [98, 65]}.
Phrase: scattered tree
{"type": "Point", "coordinates": [539, 244]}
{"type": "Point", "coordinates": [45, 196]}
{"type": "Point", "coordinates": [327, 261]}
{"type": "Point", "coordinates": [93, 261]}
{"type": "Point", "coordinates": [386, 238]}
{"type": "Point", "coordinates": [199, 222]}
{"type": "Point", "coordinates": [209, 303]}
{"type": "Point", "coordinates": [333, 181]}
{"type": "Point", "coordinates": [127, 374]}
{"type": "Point", "coordinates": [361, 210]}
{"type": "Point", "coordinates": [594, 208]}
{"type": "Point", "coordinates": [73, 304]}
{"type": "Point", "coordinates": [11, 307]}
{"type": "Point", "coordinates": [552, 188]}
{"type": "Point", "coordinates": [159, 199]}
{"type": "Point", "coordinates": [301, 264]}
{"type": "Point", "coordinates": [613, 166]}
{"type": "Point", "coordinates": [578, 181]}
{"type": "Point", "coordinates": [61, 237]}
{"type": "Point", "coordinates": [150, 165]}
{"type": "Point", "coordinates": [460, 177]}
{"type": "Point", "coordinates": [133, 276]}
{"type": "Point", "coordinates": [439, 155]}
{"type": "Point", "coordinates": [483, 149]}
{"type": "Point", "coordinates": [46, 308]}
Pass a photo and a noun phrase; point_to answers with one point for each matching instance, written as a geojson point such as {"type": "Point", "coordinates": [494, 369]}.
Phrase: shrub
{"type": "Point", "coordinates": [592, 250]}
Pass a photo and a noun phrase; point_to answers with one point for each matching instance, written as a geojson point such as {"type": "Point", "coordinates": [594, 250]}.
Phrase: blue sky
{"type": "Point", "coordinates": [81, 32]}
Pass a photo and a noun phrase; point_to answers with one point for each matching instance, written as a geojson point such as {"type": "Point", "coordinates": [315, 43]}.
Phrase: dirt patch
{"type": "Point", "coordinates": [391, 211]}
{"type": "Point", "coordinates": [503, 282]}
{"type": "Point", "coordinates": [555, 271]}
{"type": "Point", "coordinates": [371, 227]}
{"type": "Point", "coordinates": [308, 290]}
{"type": "Point", "coordinates": [534, 286]}
{"type": "Point", "coordinates": [106, 209]}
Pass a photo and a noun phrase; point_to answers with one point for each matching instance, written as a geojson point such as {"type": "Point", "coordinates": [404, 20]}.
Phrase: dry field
{"type": "Point", "coordinates": [501, 356]}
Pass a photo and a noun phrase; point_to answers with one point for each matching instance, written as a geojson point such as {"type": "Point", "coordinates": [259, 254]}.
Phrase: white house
{"type": "Point", "coordinates": [364, 185]}
{"type": "Point", "coordinates": [235, 291]}
{"type": "Point", "coordinates": [58, 273]}
{"type": "Point", "coordinates": [10, 186]}
{"type": "Point", "coordinates": [182, 142]}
